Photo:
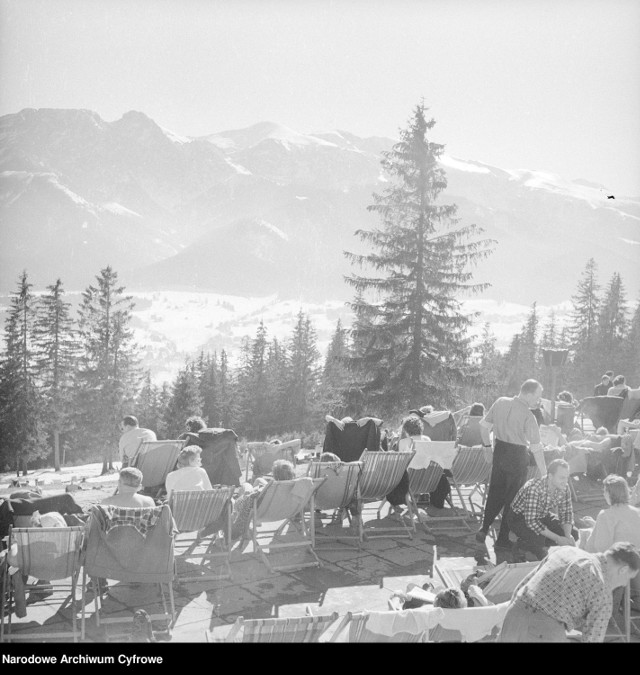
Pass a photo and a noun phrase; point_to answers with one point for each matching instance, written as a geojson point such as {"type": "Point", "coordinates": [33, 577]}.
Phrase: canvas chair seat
{"type": "Point", "coordinates": [354, 628]}
{"type": "Point", "coordinates": [281, 629]}
{"type": "Point", "coordinates": [603, 411]}
{"type": "Point", "coordinates": [51, 553]}
{"type": "Point", "coordinates": [122, 553]}
{"type": "Point", "coordinates": [337, 492]}
{"type": "Point", "coordinates": [425, 471]}
{"type": "Point", "coordinates": [192, 511]}
{"type": "Point", "coordinates": [156, 459]}
{"type": "Point", "coordinates": [503, 579]}
{"type": "Point", "coordinates": [261, 456]}
{"type": "Point", "coordinates": [282, 501]}
{"type": "Point", "coordinates": [381, 473]}
{"type": "Point", "coordinates": [470, 472]}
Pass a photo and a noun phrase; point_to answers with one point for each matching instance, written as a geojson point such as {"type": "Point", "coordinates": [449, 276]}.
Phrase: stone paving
{"type": "Point", "coordinates": [350, 578]}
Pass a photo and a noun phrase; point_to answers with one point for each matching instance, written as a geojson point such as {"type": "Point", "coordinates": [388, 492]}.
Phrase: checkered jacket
{"type": "Point", "coordinates": [534, 503]}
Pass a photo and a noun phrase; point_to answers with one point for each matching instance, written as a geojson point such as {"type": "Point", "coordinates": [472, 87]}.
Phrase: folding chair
{"type": "Point", "coordinates": [381, 473]}
{"type": "Point", "coordinates": [156, 459]}
{"type": "Point", "coordinates": [504, 578]}
{"type": "Point", "coordinates": [123, 554]}
{"type": "Point", "coordinates": [261, 456]}
{"type": "Point", "coordinates": [283, 501]}
{"type": "Point", "coordinates": [51, 553]}
{"type": "Point", "coordinates": [283, 629]}
{"type": "Point", "coordinates": [194, 509]}
{"type": "Point", "coordinates": [425, 471]}
{"type": "Point", "coordinates": [353, 628]}
{"type": "Point", "coordinates": [337, 492]}
{"type": "Point", "coordinates": [455, 625]}
{"type": "Point", "coordinates": [470, 472]}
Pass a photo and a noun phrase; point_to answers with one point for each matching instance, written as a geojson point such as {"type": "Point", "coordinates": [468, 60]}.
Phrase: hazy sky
{"type": "Point", "coordinates": [536, 84]}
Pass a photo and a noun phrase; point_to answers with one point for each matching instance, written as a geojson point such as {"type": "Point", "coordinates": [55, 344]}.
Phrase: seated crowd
{"type": "Point", "coordinates": [539, 516]}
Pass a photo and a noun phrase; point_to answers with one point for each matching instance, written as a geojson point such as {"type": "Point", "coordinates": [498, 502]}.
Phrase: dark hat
{"type": "Point", "coordinates": [421, 412]}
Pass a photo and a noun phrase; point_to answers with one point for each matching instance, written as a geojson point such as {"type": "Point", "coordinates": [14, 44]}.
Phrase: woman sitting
{"type": "Point", "coordinates": [190, 475]}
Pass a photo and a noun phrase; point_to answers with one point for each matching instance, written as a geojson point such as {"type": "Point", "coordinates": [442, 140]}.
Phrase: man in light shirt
{"type": "Point", "coordinates": [515, 432]}
{"type": "Point", "coordinates": [132, 436]}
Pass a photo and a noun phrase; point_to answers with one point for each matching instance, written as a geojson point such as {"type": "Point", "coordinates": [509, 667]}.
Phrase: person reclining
{"type": "Point", "coordinates": [541, 513]}
{"type": "Point", "coordinates": [189, 475]}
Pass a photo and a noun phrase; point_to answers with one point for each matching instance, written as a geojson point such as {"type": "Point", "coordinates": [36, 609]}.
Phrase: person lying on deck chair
{"type": "Point", "coordinates": [189, 475]}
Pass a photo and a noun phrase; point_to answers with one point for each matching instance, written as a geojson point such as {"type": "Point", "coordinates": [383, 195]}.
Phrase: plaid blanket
{"type": "Point", "coordinates": [143, 519]}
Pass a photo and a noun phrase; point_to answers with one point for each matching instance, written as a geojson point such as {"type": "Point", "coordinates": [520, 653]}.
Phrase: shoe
{"type": "Point", "coordinates": [481, 536]}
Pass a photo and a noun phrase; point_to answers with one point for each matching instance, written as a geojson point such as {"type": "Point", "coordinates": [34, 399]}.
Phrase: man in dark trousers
{"type": "Point", "coordinates": [515, 431]}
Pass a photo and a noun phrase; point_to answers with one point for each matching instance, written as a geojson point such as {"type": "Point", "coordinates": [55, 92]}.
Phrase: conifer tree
{"type": "Point", "coordinates": [228, 413]}
{"type": "Point", "coordinates": [303, 374]}
{"type": "Point", "coordinates": [148, 406]}
{"type": "Point", "coordinates": [208, 380]}
{"type": "Point", "coordinates": [276, 385]}
{"type": "Point", "coordinates": [414, 331]}
{"type": "Point", "coordinates": [20, 402]}
{"type": "Point", "coordinates": [632, 349]}
{"type": "Point", "coordinates": [108, 374]}
{"type": "Point", "coordinates": [612, 326]}
{"type": "Point", "coordinates": [185, 400]}
{"type": "Point", "coordinates": [57, 346]}
{"type": "Point", "coordinates": [335, 376]}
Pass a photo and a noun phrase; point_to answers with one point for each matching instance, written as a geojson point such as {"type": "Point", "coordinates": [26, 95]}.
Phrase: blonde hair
{"type": "Point", "coordinates": [617, 488]}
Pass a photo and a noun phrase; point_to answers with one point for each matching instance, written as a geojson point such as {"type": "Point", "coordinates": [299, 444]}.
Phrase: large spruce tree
{"type": "Point", "coordinates": [413, 331]}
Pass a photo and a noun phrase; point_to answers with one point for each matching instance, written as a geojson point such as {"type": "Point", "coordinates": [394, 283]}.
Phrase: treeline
{"type": "Point", "coordinates": [65, 382]}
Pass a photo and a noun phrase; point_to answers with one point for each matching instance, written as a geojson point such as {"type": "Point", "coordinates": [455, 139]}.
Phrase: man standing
{"type": "Point", "coordinates": [602, 388]}
{"type": "Point", "coordinates": [541, 514]}
{"type": "Point", "coordinates": [569, 589]}
{"type": "Point", "coordinates": [132, 436]}
{"type": "Point", "coordinates": [514, 429]}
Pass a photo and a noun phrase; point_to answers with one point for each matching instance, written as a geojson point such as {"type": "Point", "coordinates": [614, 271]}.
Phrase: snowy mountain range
{"type": "Point", "coordinates": [268, 210]}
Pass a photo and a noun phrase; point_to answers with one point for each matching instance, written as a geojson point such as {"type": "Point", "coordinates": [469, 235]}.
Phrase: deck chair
{"type": "Point", "coordinates": [51, 553]}
{"type": "Point", "coordinates": [194, 509]}
{"type": "Point", "coordinates": [261, 456]}
{"type": "Point", "coordinates": [122, 553]}
{"type": "Point", "coordinates": [156, 459]}
{"type": "Point", "coordinates": [353, 628]}
{"type": "Point", "coordinates": [337, 492]}
{"type": "Point", "coordinates": [283, 629]}
{"type": "Point", "coordinates": [381, 473]}
{"type": "Point", "coordinates": [283, 501]}
{"type": "Point", "coordinates": [504, 578]}
{"type": "Point", "coordinates": [470, 473]}
{"type": "Point", "coordinates": [426, 468]}
{"type": "Point", "coordinates": [472, 624]}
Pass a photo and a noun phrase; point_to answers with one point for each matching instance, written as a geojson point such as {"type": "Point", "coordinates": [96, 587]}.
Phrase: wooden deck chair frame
{"type": "Point", "coordinates": [68, 566]}
{"type": "Point", "coordinates": [375, 483]}
{"type": "Point", "coordinates": [284, 514]}
{"type": "Point", "coordinates": [194, 509]}
{"type": "Point", "coordinates": [355, 623]}
{"type": "Point", "coordinates": [282, 629]}
{"type": "Point", "coordinates": [470, 472]}
{"type": "Point", "coordinates": [423, 480]}
{"type": "Point", "coordinates": [135, 576]}
{"type": "Point", "coordinates": [338, 491]}
{"type": "Point", "coordinates": [148, 452]}
{"type": "Point", "coordinates": [257, 451]}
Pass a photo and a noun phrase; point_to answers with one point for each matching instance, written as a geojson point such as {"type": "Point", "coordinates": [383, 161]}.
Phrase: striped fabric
{"type": "Point", "coordinates": [285, 629]}
{"type": "Point", "coordinates": [156, 459]}
{"type": "Point", "coordinates": [472, 465]}
{"type": "Point", "coordinates": [340, 487]}
{"type": "Point", "coordinates": [356, 626]}
{"type": "Point", "coordinates": [276, 501]}
{"type": "Point", "coordinates": [193, 509]}
{"type": "Point", "coordinates": [422, 481]}
{"type": "Point", "coordinates": [48, 552]}
{"type": "Point", "coordinates": [263, 455]}
{"type": "Point", "coordinates": [382, 472]}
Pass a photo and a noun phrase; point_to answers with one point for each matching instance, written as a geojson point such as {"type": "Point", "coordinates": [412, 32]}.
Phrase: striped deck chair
{"type": "Point", "coordinates": [156, 459]}
{"type": "Point", "coordinates": [426, 469]}
{"type": "Point", "coordinates": [504, 578]}
{"type": "Point", "coordinates": [194, 509]}
{"type": "Point", "coordinates": [353, 628]}
{"type": "Point", "coordinates": [283, 501]}
{"type": "Point", "coordinates": [283, 629]}
{"type": "Point", "coordinates": [51, 553]}
{"type": "Point", "coordinates": [261, 456]}
{"type": "Point", "coordinates": [485, 624]}
{"type": "Point", "coordinates": [122, 553]}
{"type": "Point", "coordinates": [337, 492]}
{"type": "Point", "coordinates": [470, 473]}
{"type": "Point", "coordinates": [381, 473]}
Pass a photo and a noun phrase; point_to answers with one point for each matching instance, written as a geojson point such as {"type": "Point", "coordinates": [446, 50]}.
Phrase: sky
{"type": "Point", "coordinates": [534, 84]}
